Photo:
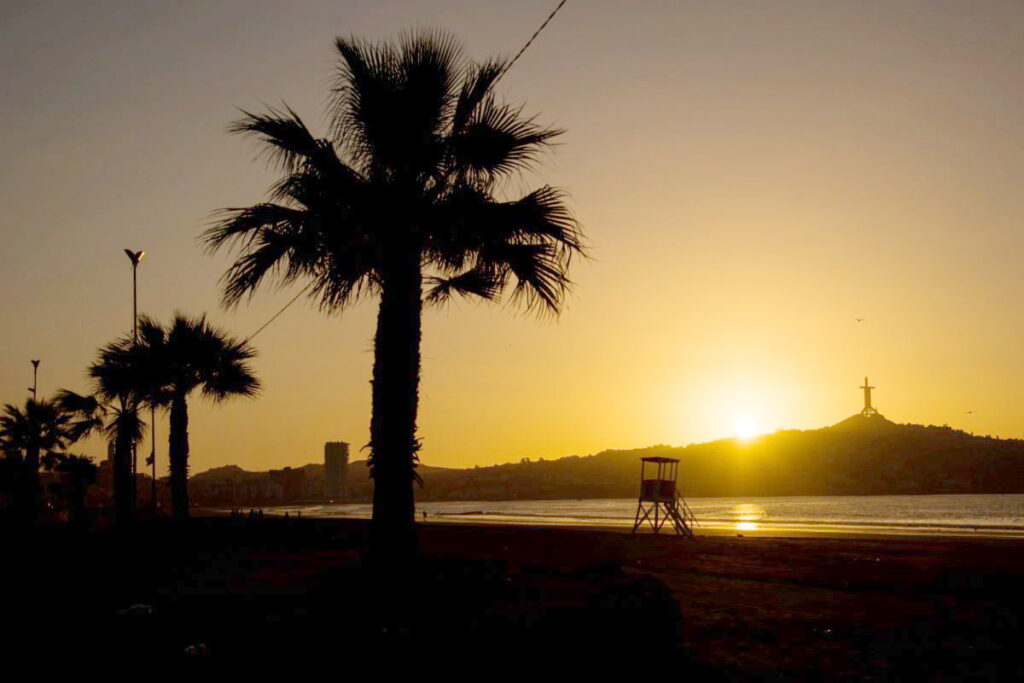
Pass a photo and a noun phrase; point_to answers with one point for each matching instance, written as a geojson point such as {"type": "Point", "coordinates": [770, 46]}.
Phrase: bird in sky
{"type": "Point", "coordinates": [859, 319]}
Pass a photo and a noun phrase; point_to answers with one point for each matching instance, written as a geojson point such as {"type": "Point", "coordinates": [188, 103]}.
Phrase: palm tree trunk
{"type": "Point", "coordinates": [123, 499]}
{"type": "Point", "coordinates": [178, 451]}
{"type": "Point", "coordinates": [396, 375]}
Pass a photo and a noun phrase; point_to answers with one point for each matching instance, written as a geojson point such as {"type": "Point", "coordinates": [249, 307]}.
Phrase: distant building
{"type": "Point", "coordinates": [335, 469]}
{"type": "Point", "coordinates": [292, 483]}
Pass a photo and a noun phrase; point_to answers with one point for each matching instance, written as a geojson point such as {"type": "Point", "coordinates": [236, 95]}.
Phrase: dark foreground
{"type": "Point", "coordinates": [718, 608]}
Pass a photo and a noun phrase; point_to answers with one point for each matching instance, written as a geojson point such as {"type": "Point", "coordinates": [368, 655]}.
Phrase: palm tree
{"type": "Point", "coordinates": [152, 369]}
{"type": "Point", "coordinates": [29, 436]}
{"type": "Point", "coordinates": [78, 472]}
{"type": "Point", "coordinates": [402, 200]}
{"type": "Point", "coordinates": [120, 389]}
{"type": "Point", "coordinates": [190, 354]}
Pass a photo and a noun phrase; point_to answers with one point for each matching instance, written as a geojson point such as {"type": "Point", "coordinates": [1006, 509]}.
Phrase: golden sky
{"type": "Point", "coordinates": [752, 177]}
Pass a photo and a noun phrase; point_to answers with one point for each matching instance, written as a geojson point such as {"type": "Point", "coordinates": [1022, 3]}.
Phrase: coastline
{"type": "Point", "coordinates": [940, 516]}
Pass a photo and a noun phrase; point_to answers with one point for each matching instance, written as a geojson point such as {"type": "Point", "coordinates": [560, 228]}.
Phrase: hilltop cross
{"type": "Point", "coordinates": [869, 409]}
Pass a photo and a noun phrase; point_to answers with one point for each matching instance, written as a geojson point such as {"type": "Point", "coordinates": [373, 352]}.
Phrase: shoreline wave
{"type": "Point", "coordinates": [964, 514]}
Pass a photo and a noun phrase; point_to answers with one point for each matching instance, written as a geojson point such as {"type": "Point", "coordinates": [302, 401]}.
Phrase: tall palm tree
{"type": "Point", "coordinates": [402, 200]}
{"type": "Point", "coordinates": [120, 387]}
{"type": "Point", "coordinates": [149, 344]}
{"type": "Point", "coordinates": [187, 355]}
{"type": "Point", "coordinates": [29, 436]}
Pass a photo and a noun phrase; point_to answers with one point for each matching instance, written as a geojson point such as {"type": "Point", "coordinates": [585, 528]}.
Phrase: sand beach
{"type": "Point", "coordinates": [721, 607]}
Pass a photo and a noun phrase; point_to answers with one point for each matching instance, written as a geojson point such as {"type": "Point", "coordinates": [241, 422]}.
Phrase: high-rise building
{"type": "Point", "coordinates": [335, 469]}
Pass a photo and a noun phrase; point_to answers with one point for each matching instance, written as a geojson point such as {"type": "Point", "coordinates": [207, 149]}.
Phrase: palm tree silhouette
{"type": "Point", "coordinates": [151, 373]}
{"type": "Point", "coordinates": [77, 472]}
{"type": "Point", "coordinates": [119, 393]}
{"type": "Point", "coordinates": [29, 436]}
{"type": "Point", "coordinates": [189, 354]}
{"type": "Point", "coordinates": [402, 201]}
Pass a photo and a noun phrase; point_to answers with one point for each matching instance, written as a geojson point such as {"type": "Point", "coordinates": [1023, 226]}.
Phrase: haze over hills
{"type": "Point", "coordinates": [862, 455]}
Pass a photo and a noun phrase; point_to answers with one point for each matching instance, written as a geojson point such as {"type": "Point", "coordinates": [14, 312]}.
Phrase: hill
{"type": "Point", "coordinates": [858, 456]}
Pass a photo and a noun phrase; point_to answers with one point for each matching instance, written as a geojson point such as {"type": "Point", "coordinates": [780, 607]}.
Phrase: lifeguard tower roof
{"type": "Point", "coordinates": [660, 459]}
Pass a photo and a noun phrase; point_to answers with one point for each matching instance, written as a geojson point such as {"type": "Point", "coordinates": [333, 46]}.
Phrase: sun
{"type": "Point", "coordinates": [745, 427]}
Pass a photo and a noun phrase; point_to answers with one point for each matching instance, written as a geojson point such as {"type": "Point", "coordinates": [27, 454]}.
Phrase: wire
{"type": "Point", "coordinates": [529, 42]}
{"type": "Point", "coordinates": [283, 309]}
{"type": "Point", "coordinates": [503, 72]}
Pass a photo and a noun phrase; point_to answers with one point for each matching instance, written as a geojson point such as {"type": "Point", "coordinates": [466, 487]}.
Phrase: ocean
{"type": "Point", "coordinates": [959, 515]}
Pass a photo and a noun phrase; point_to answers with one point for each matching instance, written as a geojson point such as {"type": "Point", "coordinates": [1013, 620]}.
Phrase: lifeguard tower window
{"type": "Point", "coordinates": [659, 501]}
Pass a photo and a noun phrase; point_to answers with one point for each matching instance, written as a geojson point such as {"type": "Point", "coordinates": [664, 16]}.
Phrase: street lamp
{"type": "Point", "coordinates": [135, 257]}
{"type": "Point", "coordinates": [35, 379]}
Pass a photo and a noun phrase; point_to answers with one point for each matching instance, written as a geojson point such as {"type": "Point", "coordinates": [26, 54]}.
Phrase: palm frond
{"type": "Point", "coordinates": [230, 379]}
{"type": "Point", "coordinates": [150, 332]}
{"type": "Point", "coordinates": [285, 138]}
{"type": "Point", "coordinates": [469, 220]}
{"type": "Point", "coordinates": [282, 255]}
{"type": "Point", "coordinates": [476, 84]}
{"type": "Point", "coordinates": [497, 140]}
{"type": "Point", "coordinates": [347, 277]}
{"type": "Point", "coordinates": [485, 283]}
{"type": "Point", "coordinates": [367, 76]}
{"type": "Point", "coordinates": [540, 272]}
{"type": "Point", "coordinates": [126, 423]}
{"type": "Point", "coordinates": [116, 373]}
{"type": "Point", "coordinates": [85, 412]}
{"type": "Point", "coordinates": [544, 214]}
{"type": "Point", "coordinates": [243, 225]}
{"type": "Point", "coordinates": [199, 354]}
{"type": "Point", "coordinates": [392, 103]}
{"type": "Point", "coordinates": [431, 64]}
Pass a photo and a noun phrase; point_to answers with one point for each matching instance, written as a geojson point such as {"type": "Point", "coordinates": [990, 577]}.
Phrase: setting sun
{"type": "Point", "coordinates": [745, 427]}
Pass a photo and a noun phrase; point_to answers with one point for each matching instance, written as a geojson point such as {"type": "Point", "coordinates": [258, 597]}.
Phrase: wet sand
{"type": "Point", "coordinates": [721, 607]}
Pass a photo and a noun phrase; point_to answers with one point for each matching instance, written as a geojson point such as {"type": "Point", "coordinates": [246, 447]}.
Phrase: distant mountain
{"type": "Point", "coordinates": [858, 456]}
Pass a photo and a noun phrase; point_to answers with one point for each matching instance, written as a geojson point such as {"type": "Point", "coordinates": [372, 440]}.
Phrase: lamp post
{"type": "Point", "coordinates": [35, 378]}
{"type": "Point", "coordinates": [152, 453]}
{"type": "Point", "coordinates": [135, 257]}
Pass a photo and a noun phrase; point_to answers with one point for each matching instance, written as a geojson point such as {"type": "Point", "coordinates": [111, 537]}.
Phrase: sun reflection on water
{"type": "Point", "coordinates": [747, 516]}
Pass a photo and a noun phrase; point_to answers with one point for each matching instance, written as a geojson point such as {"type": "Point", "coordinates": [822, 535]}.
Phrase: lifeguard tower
{"type": "Point", "coordinates": [660, 501]}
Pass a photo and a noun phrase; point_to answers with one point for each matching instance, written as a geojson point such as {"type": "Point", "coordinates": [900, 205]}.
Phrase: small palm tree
{"type": "Point", "coordinates": [77, 472]}
{"type": "Point", "coordinates": [187, 355]}
{"type": "Point", "coordinates": [402, 200]}
{"type": "Point", "coordinates": [119, 383]}
{"type": "Point", "coordinates": [28, 437]}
